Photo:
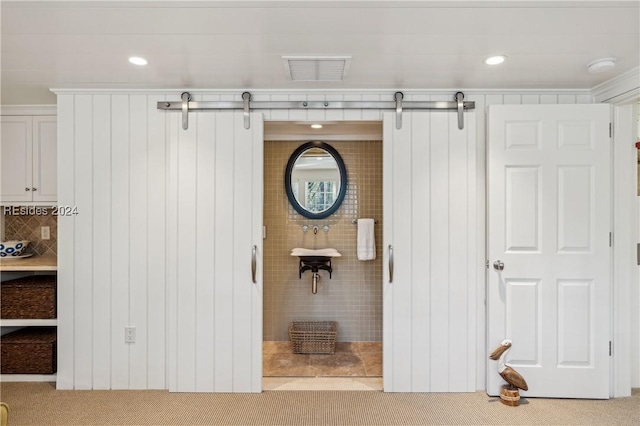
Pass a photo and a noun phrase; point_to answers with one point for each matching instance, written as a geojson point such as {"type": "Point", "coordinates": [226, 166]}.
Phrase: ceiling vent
{"type": "Point", "coordinates": [316, 68]}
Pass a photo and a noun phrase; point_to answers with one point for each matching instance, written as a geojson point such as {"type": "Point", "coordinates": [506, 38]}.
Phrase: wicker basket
{"type": "Point", "coordinates": [31, 350]}
{"type": "Point", "coordinates": [32, 297]}
{"type": "Point", "coordinates": [313, 337]}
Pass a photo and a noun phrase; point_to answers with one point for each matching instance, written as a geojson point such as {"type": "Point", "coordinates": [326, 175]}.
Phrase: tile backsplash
{"type": "Point", "coordinates": [25, 226]}
{"type": "Point", "coordinates": [353, 296]}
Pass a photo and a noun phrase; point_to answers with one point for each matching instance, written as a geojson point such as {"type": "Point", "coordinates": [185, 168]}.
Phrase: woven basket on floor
{"type": "Point", "coordinates": [313, 337]}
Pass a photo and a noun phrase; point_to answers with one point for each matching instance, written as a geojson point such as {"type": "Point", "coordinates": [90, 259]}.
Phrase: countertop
{"type": "Point", "coordinates": [33, 263]}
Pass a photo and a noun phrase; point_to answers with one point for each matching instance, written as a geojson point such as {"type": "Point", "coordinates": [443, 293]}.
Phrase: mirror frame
{"type": "Point", "coordinates": [343, 179]}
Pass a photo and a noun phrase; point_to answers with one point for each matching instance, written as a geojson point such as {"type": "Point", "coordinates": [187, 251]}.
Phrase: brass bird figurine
{"type": "Point", "coordinates": [510, 375]}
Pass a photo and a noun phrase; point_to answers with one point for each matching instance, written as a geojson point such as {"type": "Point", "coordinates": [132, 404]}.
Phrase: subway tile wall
{"type": "Point", "coordinates": [353, 296]}
{"type": "Point", "coordinates": [24, 226]}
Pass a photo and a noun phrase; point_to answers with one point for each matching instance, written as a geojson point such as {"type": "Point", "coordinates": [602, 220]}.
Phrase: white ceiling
{"type": "Point", "coordinates": [239, 44]}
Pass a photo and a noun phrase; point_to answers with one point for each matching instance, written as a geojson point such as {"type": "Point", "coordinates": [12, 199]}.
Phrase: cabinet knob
{"type": "Point", "coordinates": [27, 189]}
{"type": "Point", "coordinates": [34, 189]}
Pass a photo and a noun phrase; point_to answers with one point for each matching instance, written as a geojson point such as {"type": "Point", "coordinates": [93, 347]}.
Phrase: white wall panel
{"type": "Point", "coordinates": [120, 253]}
{"type": "Point", "coordinates": [156, 245]}
{"type": "Point", "coordinates": [133, 148]}
{"type": "Point", "coordinates": [66, 248]}
{"type": "Point", "coordinates": [101, 303]}
{"type": "Point", "coordinates": [138, 248]}
{"type": "Point", "coordinates": [111, 166]}
{"type": "Point", "coordinates": [83, 241]}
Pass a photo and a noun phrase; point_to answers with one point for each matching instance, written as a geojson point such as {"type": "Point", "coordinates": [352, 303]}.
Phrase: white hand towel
{"type": "Point", "coordinates": [366, 240]}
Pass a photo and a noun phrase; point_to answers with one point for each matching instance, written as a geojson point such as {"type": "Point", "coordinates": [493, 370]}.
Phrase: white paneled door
{"type": "Point", "coordinates": [548, 223]}
{"type": "Point", "coordinates": [215, 252]}
{"type": "Point", "coordinates": [429, 286]}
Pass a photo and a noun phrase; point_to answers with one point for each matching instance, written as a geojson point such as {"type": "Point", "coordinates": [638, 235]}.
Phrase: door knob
{"type": "Point", "coordinates": [498, 265]}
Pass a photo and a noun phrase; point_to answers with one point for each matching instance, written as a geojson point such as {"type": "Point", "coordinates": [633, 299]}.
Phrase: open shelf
{"type": "Point", "coordinates": [27, 378]}
{"type": "Point", "coordinates": [28, 322]}
{"type": "Point", "coordinates": [35, 263]}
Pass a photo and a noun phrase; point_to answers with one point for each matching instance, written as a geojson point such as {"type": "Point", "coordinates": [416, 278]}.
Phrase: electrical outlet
{"type": "Point", "coordinates": [45, 232]}
{"type": "Point", "coordinates": [129, 334]}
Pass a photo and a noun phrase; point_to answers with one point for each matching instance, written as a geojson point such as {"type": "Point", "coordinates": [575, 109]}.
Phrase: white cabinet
{"type": "Point", "coordinates": [28, 159]}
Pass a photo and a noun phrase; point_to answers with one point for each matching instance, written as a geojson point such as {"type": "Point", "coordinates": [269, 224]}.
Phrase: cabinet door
{"type": "Point", "coordinates": [15, 159]}
{"type": "Point", "coordinates": [45, 176]}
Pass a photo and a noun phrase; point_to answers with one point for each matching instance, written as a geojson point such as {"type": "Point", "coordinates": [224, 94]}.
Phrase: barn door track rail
{"type": "Point", "coordinates": [186, 105]}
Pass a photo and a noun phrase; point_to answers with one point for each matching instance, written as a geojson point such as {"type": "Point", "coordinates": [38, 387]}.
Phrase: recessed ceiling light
{"type": "Point", "coordinates": [316, 126]}
{"type": "Point", "coordinates": [495, 60]}
{"type": "Point", "coordinates": [601, 65]}
{"type": "Point", "coordinates": [136, 60]}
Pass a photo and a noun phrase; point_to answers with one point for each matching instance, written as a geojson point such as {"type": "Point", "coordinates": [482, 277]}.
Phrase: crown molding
{"type": "Point", "coordinates": [625, 87]}
{"type": "Point", "coordinates": [28, 110]}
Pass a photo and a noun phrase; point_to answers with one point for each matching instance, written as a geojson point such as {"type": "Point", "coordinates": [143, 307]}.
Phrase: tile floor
{"type": "Point", "coordinates": [355, 366]}
{"type": "Point", "coordinates": [351, 359]}
{"type": "Point", "coordinates": [322, 383]}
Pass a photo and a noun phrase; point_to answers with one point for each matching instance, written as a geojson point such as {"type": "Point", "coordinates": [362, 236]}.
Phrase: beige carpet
{"type": "Point", "coordinates": [40, 404]}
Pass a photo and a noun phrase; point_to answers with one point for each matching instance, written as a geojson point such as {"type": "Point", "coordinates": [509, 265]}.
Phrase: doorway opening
{"type": "Point", "coordinates": [351, 294]}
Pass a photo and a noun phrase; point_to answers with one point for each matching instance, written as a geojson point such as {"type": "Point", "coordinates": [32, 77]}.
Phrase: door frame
{"type": "Point", "coordinates": [625, 229]}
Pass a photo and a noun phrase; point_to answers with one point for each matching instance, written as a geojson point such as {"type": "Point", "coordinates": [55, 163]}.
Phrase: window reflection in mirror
{"type": "Point", "coordinates": [315, 180]}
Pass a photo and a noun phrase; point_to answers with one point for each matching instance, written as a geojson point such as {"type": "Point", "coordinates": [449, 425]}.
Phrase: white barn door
{"type": "Point", "coordinates": [430, 248]}
{"type": "Point", "coordinates": [549, 204]}
{"type": "Point", "coordinates": [215, 229]}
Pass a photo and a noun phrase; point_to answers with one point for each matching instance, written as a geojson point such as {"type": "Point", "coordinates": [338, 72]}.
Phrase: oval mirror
{"type": "Point", "coordinates": [315, 180]}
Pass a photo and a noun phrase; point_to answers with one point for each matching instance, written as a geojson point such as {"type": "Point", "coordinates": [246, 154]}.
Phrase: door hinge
{"type": "Point", "coordinates": [486, 262]}
{"type": "Point", "coordinates": [610, 239]}
{"type": "Point", "coordinates": [610, 350]}
{"type": "Point", "coordinates": [611, 130]}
